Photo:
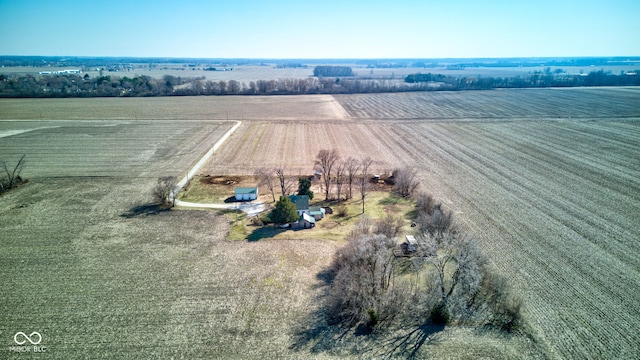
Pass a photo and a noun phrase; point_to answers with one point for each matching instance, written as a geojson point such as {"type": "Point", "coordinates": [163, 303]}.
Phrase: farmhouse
{"type": "Point", "coordinates": [242, 194]}
{"type": "Point", "coordinates": [301, 202]}
{"type": "Point", "coordinates": [302, 207]}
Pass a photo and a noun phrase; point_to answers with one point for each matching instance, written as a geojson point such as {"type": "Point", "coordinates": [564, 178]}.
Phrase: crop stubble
{"type": "Point", "coordinates": [546, 179]}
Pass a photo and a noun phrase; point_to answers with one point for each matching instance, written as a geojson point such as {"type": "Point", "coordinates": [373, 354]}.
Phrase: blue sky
{"type": "Point", "coordinates": [320, 29]}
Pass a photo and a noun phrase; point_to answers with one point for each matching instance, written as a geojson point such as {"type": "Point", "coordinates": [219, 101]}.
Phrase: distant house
{"type": "Point", "coordinates": [250, 193]}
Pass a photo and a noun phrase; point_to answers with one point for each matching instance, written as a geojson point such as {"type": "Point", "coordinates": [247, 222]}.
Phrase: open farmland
{"type": "Point", "coordinates": [314, 107]}
{"type": "Point", "coordinates": [547, 179]}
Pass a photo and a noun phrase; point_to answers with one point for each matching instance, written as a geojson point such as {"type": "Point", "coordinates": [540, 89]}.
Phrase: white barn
{"type": "Point", "coordinates": [242, 194]}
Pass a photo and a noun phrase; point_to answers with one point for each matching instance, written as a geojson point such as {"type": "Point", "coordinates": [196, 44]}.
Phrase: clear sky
{"type": "Point", "coordinates": [320, 29]}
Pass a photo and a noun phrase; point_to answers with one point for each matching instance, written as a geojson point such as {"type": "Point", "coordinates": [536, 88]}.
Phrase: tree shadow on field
{"type": "Point", "coordinates": [316, 334]}
{"type": "Point", "coordinates": [145, 210]}
{"type": "Point", "coordinates": [312, 332]}
{"type": "Point", "coordinates": [408, 344]}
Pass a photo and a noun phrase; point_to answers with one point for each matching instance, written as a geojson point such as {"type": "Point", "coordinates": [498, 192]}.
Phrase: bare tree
{"type": "Point", "coordinates": [13, 176]}
{"type": "Point", "coordinates": [325, 160]}
{"type": "Point", "coordinates": [340, 178]}
{"type": "Point", "coordinates": [389, 226]}
{"type": "Point", "coordinates": [352, 166]}
{"type": "Point", "coordinates": [285, 184]}
{"type": "Point", "coordinates": [223, 86]}
{"type": "Point", "coordinates": [362, 289]}
{"type": "Point", "coordinates": [264, 177]}
{"type": "Point", "coordinates": [233, 86]}
{"type": "Point", "coordinates": [163, 191]}
{"type": "Point", "coordinates": [425, 203]}
{"type": "Point", "coordinates": [405, 182]}
{"type": "Point", "coordinates": [456, 262]}
{"type": "Point", "coordinates": [436, 221]}
{"type": "Point", "coordinates": [363, 180]}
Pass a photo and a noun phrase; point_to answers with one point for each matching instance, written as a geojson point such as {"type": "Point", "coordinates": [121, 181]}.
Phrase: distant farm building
{"type": "Point", "coordinates": [61, 72]}
{"type": "Point", "coordinates": [243, 194]}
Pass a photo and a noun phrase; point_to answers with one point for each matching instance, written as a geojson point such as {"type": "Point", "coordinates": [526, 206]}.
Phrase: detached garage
{"type": "Point", "coordinates": [242, 194]}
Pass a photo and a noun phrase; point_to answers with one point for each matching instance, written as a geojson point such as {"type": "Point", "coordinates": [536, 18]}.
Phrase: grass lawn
{"type": "Point", "coordinates": [334, 227]}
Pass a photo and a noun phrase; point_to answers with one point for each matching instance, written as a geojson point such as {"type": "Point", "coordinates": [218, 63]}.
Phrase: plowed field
{"type": "Point", "coordinates": [548, 180]}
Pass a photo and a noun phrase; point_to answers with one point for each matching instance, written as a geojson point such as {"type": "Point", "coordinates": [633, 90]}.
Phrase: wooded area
{"type": "Point", "coordinates": [72, 85]}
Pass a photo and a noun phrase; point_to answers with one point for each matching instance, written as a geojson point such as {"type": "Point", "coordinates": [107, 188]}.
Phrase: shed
{"type": "Point", "coordinates": [317, 212]}
{"type": "Point", "coordinates": [250, 193]}
{"type": "Point", "coordinates": [410, 244]}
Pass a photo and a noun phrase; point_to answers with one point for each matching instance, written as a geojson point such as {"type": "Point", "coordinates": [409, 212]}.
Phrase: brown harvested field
{"type": "Point", "coordinates": [510, 104]}
{"type": "Point", "coordinates": [547, 179]}
{"type": "Point", "coordinates": [111, 148]}
{"type": "Point", "coordinates": [313, 107]}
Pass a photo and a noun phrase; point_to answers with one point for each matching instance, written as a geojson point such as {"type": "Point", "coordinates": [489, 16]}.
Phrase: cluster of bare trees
{"type": "Point", "coordinates": [404, 182]}
{"type": "Point", "coordinates": [346, 176]}
{"type": "Point", "coordinates": [349, 174]}
{"type": "Point", "coordinates": [446, 279]}
{"type": "Point", "coordinates": [364, 288]}
{"type": "Point", "coordinates": [11, 176]}
{"type": "Point", "coordinates": [274, 178]}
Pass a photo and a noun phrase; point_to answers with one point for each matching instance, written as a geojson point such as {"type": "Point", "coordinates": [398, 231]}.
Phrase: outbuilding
{"type": "Point", "coordinates": [410, 245]}
{"type": "Point", "coordinates": [307, 221]}
{"type": "Point", "coordinates": [244, 194]}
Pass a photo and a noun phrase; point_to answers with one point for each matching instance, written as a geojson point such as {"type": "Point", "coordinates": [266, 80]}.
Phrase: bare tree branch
{"type": "Point", "coordinates": [325, 160]}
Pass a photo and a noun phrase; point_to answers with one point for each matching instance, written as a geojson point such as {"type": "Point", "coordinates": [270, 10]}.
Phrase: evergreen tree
{"type": "Point", "coordinates": [284, 212]}
{"type": "Point", "coordinates": [304, 187]}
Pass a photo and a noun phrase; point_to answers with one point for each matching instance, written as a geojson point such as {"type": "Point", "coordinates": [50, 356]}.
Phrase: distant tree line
{"type": "Point", "coordinates": [537, 79]}
{"type": "Point", "coordinates": [329, 70]}
{"type": "Point", "coordinates": [85, 86]}
{"type": "Point", "coordinates": [71, 85]}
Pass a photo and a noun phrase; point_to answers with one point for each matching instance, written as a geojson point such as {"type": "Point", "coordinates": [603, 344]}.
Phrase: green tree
{"type": "Point", "coordinates": [304, 187]}
{"type": "Point", "coordinates": [284, 212]}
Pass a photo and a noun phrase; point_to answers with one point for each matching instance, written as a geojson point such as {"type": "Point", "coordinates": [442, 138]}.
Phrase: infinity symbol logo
{"type": "Point", "coordinates": [28, 338]}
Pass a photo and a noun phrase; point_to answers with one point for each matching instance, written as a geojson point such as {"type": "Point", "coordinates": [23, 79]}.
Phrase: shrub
{"type": "Point", "coordinates": [405, 182]}
{"type": "Point", "coordinates": [163, 191]}
{"type": "Point", "coordinates": [505, 306]}
{"type": "Point", "coordinates": [374, 317]}
{"type": "Point", "coordinates": [390, 226]}
{"type": "Point", "coordinates": [425, 203]}
{"type": "Point", "coordinates": [440, 314]}
{"type": "Point", "coordinates": [342, 211]}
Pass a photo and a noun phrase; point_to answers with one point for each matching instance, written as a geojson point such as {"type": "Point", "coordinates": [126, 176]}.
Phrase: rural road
{"type": "Point", "coordinates": [251, 208]}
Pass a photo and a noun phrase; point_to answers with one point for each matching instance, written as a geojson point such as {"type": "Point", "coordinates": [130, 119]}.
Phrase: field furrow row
{"type": "Point", "coordinates": [579, 269]}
